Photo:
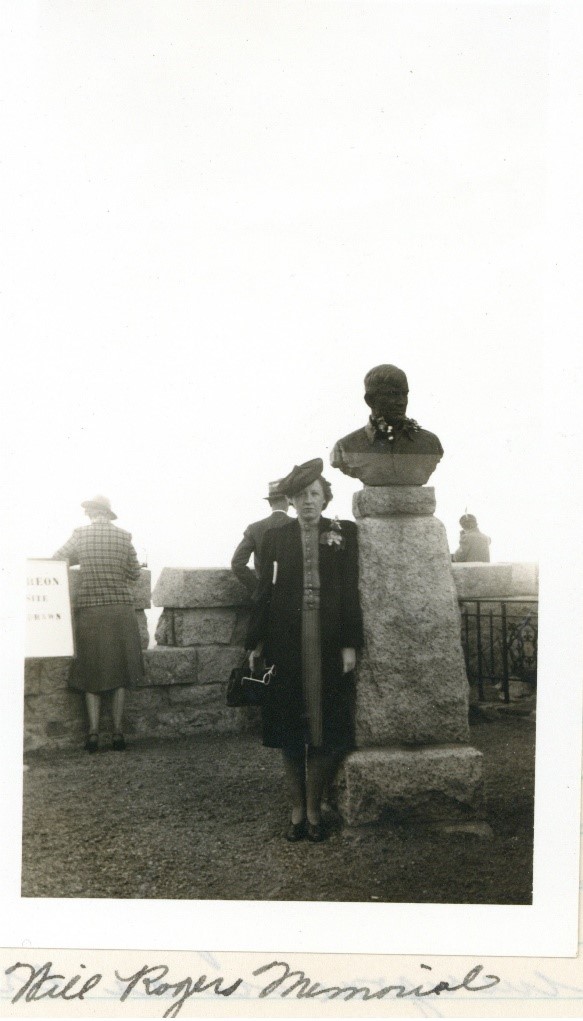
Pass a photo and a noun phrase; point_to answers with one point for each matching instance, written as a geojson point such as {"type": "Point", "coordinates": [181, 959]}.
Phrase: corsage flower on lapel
{"type": "Point", "coordinates": [334, 536]}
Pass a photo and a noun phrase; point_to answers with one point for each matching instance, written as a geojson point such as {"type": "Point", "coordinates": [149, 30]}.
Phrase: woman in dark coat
{"type": "Point", "coordinates": [107, 638]}
{"type": "Point", "coordinates": [307, 621]}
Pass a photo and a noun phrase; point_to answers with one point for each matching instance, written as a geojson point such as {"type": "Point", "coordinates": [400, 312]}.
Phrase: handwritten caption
{"type": "Point", "coordinates": [274, 979]}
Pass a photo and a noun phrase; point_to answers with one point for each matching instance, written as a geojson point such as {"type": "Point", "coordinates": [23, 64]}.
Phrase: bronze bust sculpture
{"type": "Point", "coordinates": [391, 449]}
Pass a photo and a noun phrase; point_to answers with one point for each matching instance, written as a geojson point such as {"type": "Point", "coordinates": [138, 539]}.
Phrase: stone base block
{"type": "Point", "coordinates": [183, 588]}
{"type": "Point", "coordinates": [166, 665]}
{"type": "Point", "coordinates": [210, 626]}
{"type": "Point", "coordinates": [215, 662]}
{"type": "Point", "coordinates": [44, 676]}
{"type": "Point", "coordinates": [431, 784]}
{"type": "Point", "coordinates": [495, 581]}
{"type": "Point", "coordinates": [388, 501]}
{"type": "Point", "coordinates": [482, 581]}
{"type": "Point", "coordinates": [183, 710]}
{"type": "Point", "coordinates": [54, 720]}
{"type": "Point", "coordinates": [209, 664]}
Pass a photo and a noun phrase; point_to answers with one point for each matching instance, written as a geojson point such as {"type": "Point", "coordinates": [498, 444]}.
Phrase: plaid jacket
{"type": "Point", "coordinates": [108, 564]}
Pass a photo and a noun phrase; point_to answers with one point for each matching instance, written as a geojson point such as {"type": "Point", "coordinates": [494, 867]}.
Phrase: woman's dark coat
{"type": "Point", "coordinates": [277, 621]}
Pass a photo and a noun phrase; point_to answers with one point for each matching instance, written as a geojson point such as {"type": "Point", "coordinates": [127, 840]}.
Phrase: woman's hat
{"type": "Point", "coordinates": [99, 503]}
{"type": "Point", "coordinates": [301, 475]}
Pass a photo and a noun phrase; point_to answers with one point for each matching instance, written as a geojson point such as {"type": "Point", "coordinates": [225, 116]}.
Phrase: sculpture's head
{"type": "Point", "coordinates": [386, 392]}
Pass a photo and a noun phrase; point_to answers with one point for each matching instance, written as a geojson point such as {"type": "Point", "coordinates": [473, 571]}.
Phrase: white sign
{"type": "Point", "coordinates": [49, 627]}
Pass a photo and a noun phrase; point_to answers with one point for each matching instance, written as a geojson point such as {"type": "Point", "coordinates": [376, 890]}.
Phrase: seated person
{"type": "Point", "coordinates": [474, 545]}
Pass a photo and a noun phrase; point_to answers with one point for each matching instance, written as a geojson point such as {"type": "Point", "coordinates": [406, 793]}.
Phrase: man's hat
{"type": "Point", "coordinates": [99, 503]}
{"type": "Point", "coordinates": [274, 490]}
{"type": "Point", "coordinates": [301, 475]}
{"type": "Point", "coordinates": [468, 521]}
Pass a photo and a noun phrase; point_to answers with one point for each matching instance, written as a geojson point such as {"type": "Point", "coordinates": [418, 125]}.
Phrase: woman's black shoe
{"type": "Point", "coordinates": [316, 832]}
{"type": "Point", "coordinates": [296, 831]}
{"type": "Point", "coordinates": [92, 743]}
{"type": "Point", "coordinates": [119, 744]}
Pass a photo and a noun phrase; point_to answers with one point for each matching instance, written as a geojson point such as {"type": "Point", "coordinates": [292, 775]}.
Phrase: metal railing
{"type": "Point", "coordinates": [500, 640]}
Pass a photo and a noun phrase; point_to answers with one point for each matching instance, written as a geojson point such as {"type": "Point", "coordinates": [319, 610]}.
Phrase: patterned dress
{"type": "Point", "coordinates": [311, 642]}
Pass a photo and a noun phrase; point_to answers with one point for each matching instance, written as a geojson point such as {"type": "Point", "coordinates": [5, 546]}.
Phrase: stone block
{"type": "Point", "coordinates": [46, 675]}
{"type": "Point", "coordinates": [33, 739]}
{"type": "Point", "coordinates": [164, 634]}
{"type": "Point", "coordinates": [186, 588]}
{"type": "Point", "coordinates": [482, 581]}
{"type": "Point", "coordinates": [388, 501]}
{"type": "Point", "coordinates": [413, 784]}
{"type": "Point", "coordinates": [54, 712]}
{"type": "Point", "coordinates": [143, 628]}
{"type": "Point", "coordinates": [165, 665]}
{"type": "Point", "coordinates": [204, 708]}
{"type": "Point", "coordinates": [215, 662]}
{"type": "Point", "coordinates": [55, 674]}
{"type": "Point", "coordinates": [209, 626]}
{"type": "Point", "coordinates": [186, 709]}
{"type": "Point", "coordinates": [524, 579]}
{"type": "Point", "coordinates": [143, 708]}
{"type": "Point", "coordinates": [140, 589]}
{"type": "Point", "coordinates": [32, 671]}
{"type": "Point", "coordinates": [412, 684]}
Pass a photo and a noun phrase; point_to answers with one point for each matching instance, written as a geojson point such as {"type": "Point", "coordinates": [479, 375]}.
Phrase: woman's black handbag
{"type": "Point", "coordinates": [243, 688]}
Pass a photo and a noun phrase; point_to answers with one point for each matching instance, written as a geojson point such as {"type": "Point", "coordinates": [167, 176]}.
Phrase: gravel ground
{"type": "Point", "coordinates": [191, 818]}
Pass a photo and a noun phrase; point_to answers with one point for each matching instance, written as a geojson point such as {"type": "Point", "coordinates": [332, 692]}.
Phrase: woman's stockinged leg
{"type": "Point", "coordinates": [93, 705]}
{"type": "Point", "coordinates": [117, 706]}
{"type": "Point", "coordinates": [317, 773]}
{"type": "Point", "coordinates": [295, 774]}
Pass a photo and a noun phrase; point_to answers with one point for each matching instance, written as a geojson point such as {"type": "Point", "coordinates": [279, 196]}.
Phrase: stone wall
{"type": "Point", "coordinates": [54, 714]}
{"type": "Point", "coordinates": [200, 638]}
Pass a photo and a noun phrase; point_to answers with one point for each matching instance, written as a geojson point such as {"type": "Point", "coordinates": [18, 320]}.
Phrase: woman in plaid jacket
{"type": "Point", "coordinates": [108, 647]}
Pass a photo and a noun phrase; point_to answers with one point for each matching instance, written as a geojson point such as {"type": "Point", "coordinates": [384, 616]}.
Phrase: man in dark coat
{"type": "Point", "coordinates": [474, 546]}
{"type": "Point", "coordinates": [250, 545]}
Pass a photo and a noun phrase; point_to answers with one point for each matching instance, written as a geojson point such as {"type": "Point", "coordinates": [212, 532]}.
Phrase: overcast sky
{"type": "Point", "coordinates": [230, 212]}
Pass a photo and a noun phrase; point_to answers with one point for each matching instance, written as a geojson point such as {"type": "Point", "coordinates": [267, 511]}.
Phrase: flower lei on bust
{"type": "Point", "coordinates": [384, 431]}
{"type": "Point", "coordinates": [333, 537]}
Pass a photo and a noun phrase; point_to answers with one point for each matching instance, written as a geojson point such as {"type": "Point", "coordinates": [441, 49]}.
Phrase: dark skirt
{"type": "Point", "coordinates": [312, 675]}
{"type": "Point", "coordinates": [108, 648]}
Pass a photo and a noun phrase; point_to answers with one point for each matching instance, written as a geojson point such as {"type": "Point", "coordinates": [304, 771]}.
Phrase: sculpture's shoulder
{"type": "Point", "coordinates": [426, 442]}
{"type": "Point", "coordinates": [355, 441]}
